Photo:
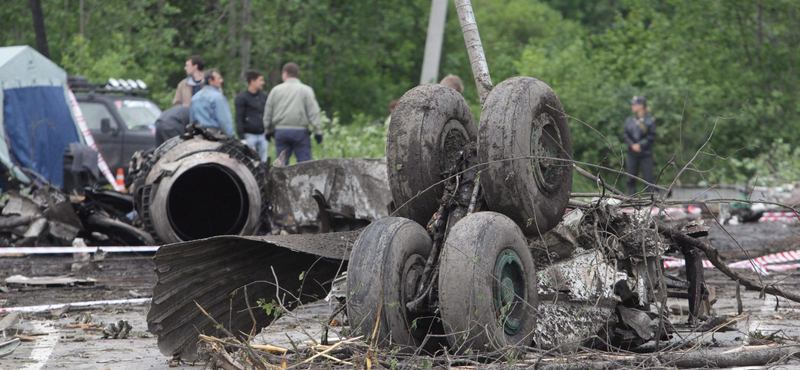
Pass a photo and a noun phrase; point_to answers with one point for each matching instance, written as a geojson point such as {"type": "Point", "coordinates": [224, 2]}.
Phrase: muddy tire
{"type": "Point", "coordinates": [487, 285]}
{"type": "Point", "coordinates": [385, 266]}
{"type": "Point", "coordinates": [523, 117]}
{"type": "Point", "coordinates": [429, 126]}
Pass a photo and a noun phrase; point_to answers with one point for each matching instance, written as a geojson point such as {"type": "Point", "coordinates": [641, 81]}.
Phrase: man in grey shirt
{"type": "Point", "coordinates": [291, 108]}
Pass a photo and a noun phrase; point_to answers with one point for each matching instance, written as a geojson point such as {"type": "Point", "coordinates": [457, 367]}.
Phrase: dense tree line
{"type": "Point", "coordinates": [694, 60]}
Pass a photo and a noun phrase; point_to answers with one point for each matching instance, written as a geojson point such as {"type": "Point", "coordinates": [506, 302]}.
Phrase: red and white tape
{"type": "Point", "coordinates": [87, 135]}
{"type": "Point", "coordinates": [69, 250]}
{"type": "Point", "coordinates": [58, 306]}
{"type": "Point", "coordinates": [778, 219]}
{"type": "Point", "coordinates": [771, 262]}
{"type": "Point", "coordinates": [672, 262]}
{"type": "Point", "coordinates": [779, 214]}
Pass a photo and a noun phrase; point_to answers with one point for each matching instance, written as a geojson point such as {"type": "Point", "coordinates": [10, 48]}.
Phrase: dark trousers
{"type": "Point", "coordinates": [167, 131]}
{"type": "Point", "coordinates": [297, 141]}
{"type": "Point", "coordinates": [633, 164]}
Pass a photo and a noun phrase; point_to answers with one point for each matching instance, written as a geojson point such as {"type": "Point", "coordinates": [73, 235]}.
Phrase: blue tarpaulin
{"type": "Point", "coordinates": [39, 126]}
{"type": "Point", "coordinates": [36, 123]}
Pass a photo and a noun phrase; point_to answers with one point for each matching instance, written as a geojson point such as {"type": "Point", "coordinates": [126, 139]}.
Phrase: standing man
{"type": "Point", "coordinates": [250, 113]}
{"type": "Point", "coordinates": [193, 82]}
{"type": "Point", "coordinates": [639, 132]}
{"type": "Point", "coordinates": [210, 108]}
{"type": "Point", "coordinates": [291, 107]}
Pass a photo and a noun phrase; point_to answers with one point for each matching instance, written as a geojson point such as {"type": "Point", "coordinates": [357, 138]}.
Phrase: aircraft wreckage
{"type": "Point", "coordinates": [476, 255]}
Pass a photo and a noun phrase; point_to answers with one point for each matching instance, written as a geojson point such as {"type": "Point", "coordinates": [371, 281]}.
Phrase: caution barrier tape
{"type": "Point", "coordinates": [672, 262]}
{"type": "Point", "coordinates": [69, 250]}
{"type": "Point", "coordinates": [50, 307]}
{"type": "Point", "coordinates": [770, 262]}
{"type": "Point", "coordinates": [778, 219]}
{"type": "Point", "coordinates": [779, 214]}
{"type": "Point", "coordinates": [87, 135]}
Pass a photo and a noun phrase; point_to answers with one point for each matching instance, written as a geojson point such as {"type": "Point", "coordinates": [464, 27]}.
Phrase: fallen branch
{"type": "Point", "coordinates": [743, 356]}
{"type": "Point", "coordinates": [597, 180]}
{"type": "Point", "coordinates": [713, 256]}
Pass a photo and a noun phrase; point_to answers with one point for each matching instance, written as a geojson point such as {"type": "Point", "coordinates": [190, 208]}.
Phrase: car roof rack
{"type": "Point", "coordinates": [113, 86]}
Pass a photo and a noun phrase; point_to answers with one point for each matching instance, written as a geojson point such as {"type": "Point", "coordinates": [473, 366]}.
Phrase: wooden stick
{"type": "Point", "coordinates": [270, 348]}
{"type": "Point", "coordinates": [331, 349]}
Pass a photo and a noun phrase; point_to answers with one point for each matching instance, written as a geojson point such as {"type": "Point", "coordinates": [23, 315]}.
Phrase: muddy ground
{"type": "Point", "coordinates": [60, 347]}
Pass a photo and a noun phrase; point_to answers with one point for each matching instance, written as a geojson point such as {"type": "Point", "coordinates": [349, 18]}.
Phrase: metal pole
{"type": "Point", "coordinates": [433, 43]}
{"type": "Point", "coordinates": [477, 58]}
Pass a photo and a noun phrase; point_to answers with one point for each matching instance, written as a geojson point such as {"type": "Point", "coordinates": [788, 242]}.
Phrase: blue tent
{"type": "Point", "coordinates": [36, 121]}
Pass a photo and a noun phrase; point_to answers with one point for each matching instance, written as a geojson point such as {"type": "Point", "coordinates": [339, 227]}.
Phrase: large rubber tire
{"type": "Point", "coordinates": [523, 117]}
{"type": "Point", "coordinates": [430, 125]}
{"type": "Point", "coordinates": [484, 253]}
{"type": "Point", "coordinates": [385, 266]}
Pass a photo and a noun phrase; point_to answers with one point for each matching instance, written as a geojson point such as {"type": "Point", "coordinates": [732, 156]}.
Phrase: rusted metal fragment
{"type": "Point", "coordinates": [567, 325]}
{"type": "Point", "coordinates": [211, 272]}
{"type": "Point", "coordinates": [351, 186]}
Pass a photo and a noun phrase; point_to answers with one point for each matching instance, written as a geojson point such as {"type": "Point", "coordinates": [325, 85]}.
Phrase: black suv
{"type": "Point", "coordinates": [121, 122]}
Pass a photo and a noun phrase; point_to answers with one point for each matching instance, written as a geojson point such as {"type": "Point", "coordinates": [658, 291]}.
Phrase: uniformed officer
{"type": "Point", "coordinates": [639, 132]}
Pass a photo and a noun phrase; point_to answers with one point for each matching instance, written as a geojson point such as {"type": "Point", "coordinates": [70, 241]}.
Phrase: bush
{"type": "Point", "coordinates": [364, 137]}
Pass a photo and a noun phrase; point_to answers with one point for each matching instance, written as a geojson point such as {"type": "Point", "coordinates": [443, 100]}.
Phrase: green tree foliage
{"type": "Point", "coordinates": [694, 60]}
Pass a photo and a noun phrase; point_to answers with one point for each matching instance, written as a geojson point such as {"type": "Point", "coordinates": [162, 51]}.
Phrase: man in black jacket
{"type": "Point", "coordinates": [639, 133]}
{"type": "Point", "coordinates": [172, 122]}
{"type": "Point", "coordinates": [250, 114]}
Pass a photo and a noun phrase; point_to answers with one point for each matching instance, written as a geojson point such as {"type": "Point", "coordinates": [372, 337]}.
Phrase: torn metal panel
{"type": "Point", "coordinates": [211, 272]}
{"type": "Point", "coordinates": [584, 277]}
{"type": "Point", "coordinates": [567, 325]}
{"type": "Point", "coordinates": [21, 205]}
{"type": "Point", "coordinates": [7, 348]}
{"type": "Point", "coordinates": [64, 232]}
{"type": "Point", "coordinates": [644, 323]}
{"type": "Point", "coordinates": [562, 240]}
{"type": "Point", "coordinates": [352, 186]}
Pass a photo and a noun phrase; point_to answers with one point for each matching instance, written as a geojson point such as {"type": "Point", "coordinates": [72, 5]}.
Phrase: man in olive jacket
{"type": "Point", "coordinates": [194, 81]}
{"type": "Point", "coordinates": [290, 109]}
{"type": "Point", "coordinates": [639, 132]}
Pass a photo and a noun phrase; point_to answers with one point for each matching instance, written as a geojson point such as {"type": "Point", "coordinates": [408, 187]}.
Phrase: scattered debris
{"type": "Point", "coordinates": [117, 330]}
{"type": "Point", "coordinates": [48, 281]}
{"type": "Point", "coordinates": [7, 348]}
{"type": "Point", "coordinates": [46, 216]}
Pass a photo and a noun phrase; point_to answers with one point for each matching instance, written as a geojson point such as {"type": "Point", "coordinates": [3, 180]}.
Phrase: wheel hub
{"type": "Point", "coordinates": [412, 273]}
{"type": "Point", "coordinates": [510, 291]}
{"type": "Point", "coordinates": [546, 145]}
{"type": "Point", "coordinates": [454, 139]}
